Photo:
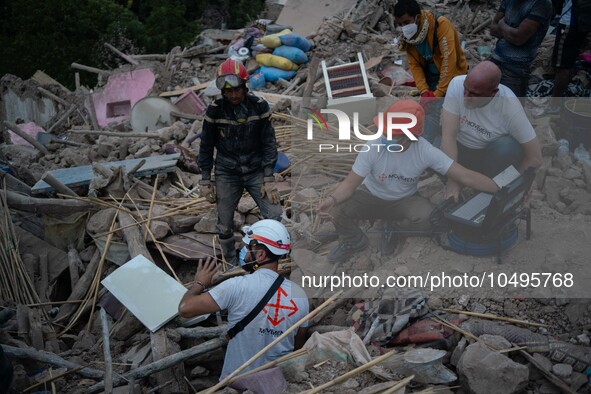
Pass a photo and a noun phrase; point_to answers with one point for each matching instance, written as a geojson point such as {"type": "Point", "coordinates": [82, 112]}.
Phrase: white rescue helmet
{"type": "Point", "coordinates": [270, 233]}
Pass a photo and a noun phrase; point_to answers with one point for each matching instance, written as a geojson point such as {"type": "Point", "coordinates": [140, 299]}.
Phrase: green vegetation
{"type": "Point", "coordinates": [50, 35]}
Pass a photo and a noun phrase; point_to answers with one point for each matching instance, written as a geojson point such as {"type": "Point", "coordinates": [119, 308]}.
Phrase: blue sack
{"type": "Point", "coordinates": [294, 40]}
{"type": "Point", "coordinates": [272, 74]}
{"type": "Point", "coordinates": [295, 55]}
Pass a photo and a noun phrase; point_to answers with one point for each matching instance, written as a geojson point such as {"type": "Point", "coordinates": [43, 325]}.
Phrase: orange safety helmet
{"type": "Point", "coordinates": [230, 74]}
{"type": "Point", "coordinates": [409, 107]}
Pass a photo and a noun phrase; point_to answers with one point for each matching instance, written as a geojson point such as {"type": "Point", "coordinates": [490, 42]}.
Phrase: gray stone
{"type": "Point", "coordinates": [458, 351]}
{"type": "Point", "coordinates": [351, 384]}
{"type": "Point", "coordinates": [199, 372]}
{"type": "Point", "coordinates": [207, 222]}
{"type": "Point", "coordinates": [575, 311]}
{"type": "Point", "coordinates": [246, 204]}
{"type": "Point", "coordinates": [495, 341]}
{"type": "Point", "coordinates": [584, 339]}
{"type": "Point", "coordinates": [483, 371]}
{"type": "Point", "coordinates": [478, 308]}
{"type": "Point", "coordinates": [557, 172]}
{"type": "Point", "coordinates": [562, 370]}
{"type": "Point", "coordinates": [577, 380]}
{"type": "Point", "coordinates": [543, 361]}
{"type": "Point", "coordinates": [572, 173]}
{"type": "Point", "coordinates": [548, 388]}
{"type": "Point", "coordinates": [145, 151]}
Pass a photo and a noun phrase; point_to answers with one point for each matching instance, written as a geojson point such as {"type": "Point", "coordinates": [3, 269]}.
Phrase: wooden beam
{"type": "Point", "coordinates": [53, 96]}
{"type": "Point", "coordinates": [107, 353]}
{"type": "Point", "coordinates": [18, 131]}
{"type": "Point", "coordinates": [90, 69]}
{"type": "Point", "coordinates": [115, 133]}
{"type": "Point", "coordinates": [57, 185]}
{"type": "Point", "coordinates": [50, 206]}
{"type": "Point", "coordinates": [127, 58]}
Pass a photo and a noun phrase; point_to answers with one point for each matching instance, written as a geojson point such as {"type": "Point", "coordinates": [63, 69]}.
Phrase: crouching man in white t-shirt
{"type": "Point", "coordinates": [484, 126]}
{"type": "Point", "coordinates": [266, 241]}
{"type": "Point", "coordinates": [383, 184]}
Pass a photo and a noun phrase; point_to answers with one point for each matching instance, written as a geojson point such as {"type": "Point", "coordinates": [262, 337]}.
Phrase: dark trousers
{"type": "Point", "coordinates": [229, 189]}
{"type": "Point", "coordinates": [493, 159]}
{"type": "Point", "coordinates": [410, 213]}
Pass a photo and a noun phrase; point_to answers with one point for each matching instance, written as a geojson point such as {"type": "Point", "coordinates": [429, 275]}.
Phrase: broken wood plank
{"type": "Point", "coordinates": [107, 352]}
{"type": "Point", "coordinates": [162, 364]}
{"type": "Point", "coordinates": [178, 92]}
{"type": "Point", "coordinates": [18, 131]}
{"type": "Point", "coordinates": [153, 56]}
{"type": "Point", "coordinates": [125, 57]}
{"type": "Point", "coordinates": [53, 97]}
{"type": "Point", "coordinates": [92, 112]}
{"type": "Point", "coordinates": [163, 347]}
{"type": "Point", "coordinates": [52, 359]}
{"type": "Point", "coordinates": [63, 118]}
{"type": "Point", "coordinates": [43, 282]}
{"type": "Point", "coordinates": [115, 133]}
{"type": "Point", "coordinates": [75, 265]}
{"type": "Point", "coordinates": [50, 206]}
{"type": "Point", "coordinates": [57, 185]}
{"type": "Point", "coordinates": [201, 332]}
{"type": "Point", "coordinates": [90, 69]}
{"type": "Point", "coordinates": [81, 176]}
{"type": "Point", "coordinates": [13, 184]}
{"type": "Point", "coordinates": [81, 288]}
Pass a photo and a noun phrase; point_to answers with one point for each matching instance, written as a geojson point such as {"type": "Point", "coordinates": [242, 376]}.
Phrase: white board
{"type": "Point", "coordinates": [147, 291]}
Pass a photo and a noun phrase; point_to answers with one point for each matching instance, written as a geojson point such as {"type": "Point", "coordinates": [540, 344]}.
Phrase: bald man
{"type": "Point", "coordinates": [484, 127]}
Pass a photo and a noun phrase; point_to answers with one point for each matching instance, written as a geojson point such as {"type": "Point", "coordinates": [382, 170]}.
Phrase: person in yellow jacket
{"type": "Point", "coordinates": [434, 55]}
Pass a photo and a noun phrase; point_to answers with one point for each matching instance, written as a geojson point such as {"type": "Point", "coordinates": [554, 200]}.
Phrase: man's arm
{"type": "Point", "coordinates": [300, 338]}
{"type": "Point", "coordinates": [532, 155]}
{"type": "Point", "coordinates": [195, 302]}
{"type": "Point", "coordinates": [471, 178]}
{"type": "Point", "coordinates": [495, 30]}
{"type": "Point", "coordinates": [446, 39]}
{"type": "Point", "coordinates": [517, 35]}
{"type": "Point", "coordinates": [416, 69]}
{"type": "Point", "coordinates": [343, 191]}
{"type": "Point", "coordinates": [268, 141]}
{"type": "Point", "coordinates": [208, 136]}
{"type": "Point", "coordinates": [450, 125]}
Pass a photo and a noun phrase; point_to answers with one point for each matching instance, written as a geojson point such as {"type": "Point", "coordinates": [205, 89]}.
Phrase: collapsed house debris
{"type": "Point", "coordinates": [92, 179]}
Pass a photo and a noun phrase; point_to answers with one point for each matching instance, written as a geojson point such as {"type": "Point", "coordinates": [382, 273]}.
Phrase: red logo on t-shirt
{"type": "Point", "coordinates": [274, 316]}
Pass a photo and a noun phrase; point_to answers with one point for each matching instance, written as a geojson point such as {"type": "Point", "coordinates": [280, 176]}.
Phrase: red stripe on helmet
{"type": "Point", "coordinates": [270, 242]}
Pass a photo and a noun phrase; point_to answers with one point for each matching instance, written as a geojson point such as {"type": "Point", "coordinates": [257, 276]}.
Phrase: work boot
{"type": "Point", "coordinates": [344, 250]}
{"type": "Point", "coordinates": [229, 251]}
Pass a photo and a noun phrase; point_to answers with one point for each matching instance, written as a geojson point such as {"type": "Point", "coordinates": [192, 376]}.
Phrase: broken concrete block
{"type": "Point", "coordinates": [557, 172]}
{"type": "Point", "coordinates": [246, 204]}
{"type": "Point", "coordinates": [160, 229]}
{"type": "Point", "coordinates": [143, 152]}
{"type": "Point", "coordinates": [483, 371]}
{"type": "Point", "coordinates": [577, 380]}
{"type": "Point", "coordinates": [562, 162]}
{"type": "Point", "coordinates": [552, 187]}
{"type": "Point", "coordinates": [458, 351]}
{"type": "Point", "coordinates": [541, 174]}
{"type": "Point", "coordinates": [572, 173]}
{"type": "Point", "coordinates": [562, 370]}
{"type": "Point", "coordinates": [183, 224]}
{"type": "Point", "coordinates": [199, 372]}
{"type": "Point", "coordinates": [207, 223]}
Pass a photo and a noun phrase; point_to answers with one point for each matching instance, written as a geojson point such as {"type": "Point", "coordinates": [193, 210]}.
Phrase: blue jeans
{"type": "Point", "coordinates": [498, 155]}
{"type": "Point", "coordinates": [229, 189]}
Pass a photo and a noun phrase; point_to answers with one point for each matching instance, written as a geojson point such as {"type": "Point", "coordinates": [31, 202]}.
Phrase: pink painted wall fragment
{"type": "Point", "coordinates": [30, 128]}
{"type": "Point", "coordinates": [114, 102]}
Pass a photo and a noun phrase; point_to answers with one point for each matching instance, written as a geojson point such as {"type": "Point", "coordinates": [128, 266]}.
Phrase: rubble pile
{"type": "Point", "coordinates": [90, 179]}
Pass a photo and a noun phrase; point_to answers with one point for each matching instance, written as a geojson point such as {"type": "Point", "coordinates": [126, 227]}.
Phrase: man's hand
{"type": "Point", "coordinates": [326, 205]}
{"type": "Point", "coordinates": [427, 98]}
{"type": "Point", "coordinates": [269, 189]}
{"type": "Point", "coordinates": [452, 189]}
{"type": "Point", "coordinates": [206, 269]}
{"type": "Point", "coordinates": [207, 191]}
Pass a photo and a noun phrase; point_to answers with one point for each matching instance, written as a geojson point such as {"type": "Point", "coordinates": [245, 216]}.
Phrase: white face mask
{"type": "Point", "coordinates": [408, 31]}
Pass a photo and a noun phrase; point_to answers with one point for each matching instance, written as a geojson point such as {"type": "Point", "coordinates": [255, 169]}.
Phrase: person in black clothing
{"type": "Point", "coordinates": [238, 127]}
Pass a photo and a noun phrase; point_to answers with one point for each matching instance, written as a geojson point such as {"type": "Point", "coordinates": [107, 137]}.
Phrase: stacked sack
{"type": "Point", "coordinates": [289, 52]}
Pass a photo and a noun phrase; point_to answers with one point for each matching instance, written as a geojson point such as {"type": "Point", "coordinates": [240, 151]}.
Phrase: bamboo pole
{"type": "Point", "coordinates": [310, 315]}
{"type": "Point", "coordinates": [399, 385]}
{"type": "Point", "coordinates": [494, 317]}
{"type": "Point", "coordinates": [352, 373]}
